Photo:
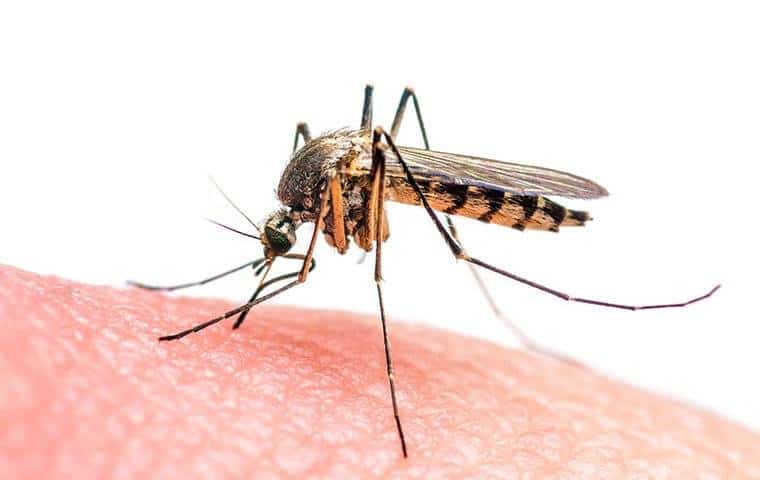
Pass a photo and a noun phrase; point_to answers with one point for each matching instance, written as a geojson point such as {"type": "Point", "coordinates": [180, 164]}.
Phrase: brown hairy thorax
{"type": "Point", "coordinates": [338, 152]}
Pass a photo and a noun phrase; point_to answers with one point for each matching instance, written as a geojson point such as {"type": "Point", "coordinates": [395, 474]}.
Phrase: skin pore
{"type": "Point", "coordinates": [88, 392]}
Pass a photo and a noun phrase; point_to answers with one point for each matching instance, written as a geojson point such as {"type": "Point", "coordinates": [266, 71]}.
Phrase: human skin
{"type": "Point", "coordinates": [86, 391]}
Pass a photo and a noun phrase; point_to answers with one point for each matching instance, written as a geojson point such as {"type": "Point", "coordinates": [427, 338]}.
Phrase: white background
{"type": "Point", "coordinates": [112, 116]}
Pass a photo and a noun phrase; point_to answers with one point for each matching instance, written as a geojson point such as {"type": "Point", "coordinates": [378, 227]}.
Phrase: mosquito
{"type": "Point", "coordinates": [341, 180]}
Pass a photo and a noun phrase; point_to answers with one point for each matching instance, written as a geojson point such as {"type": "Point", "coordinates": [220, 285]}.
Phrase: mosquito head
{"type": "Point", "coordinates": [279, 234]}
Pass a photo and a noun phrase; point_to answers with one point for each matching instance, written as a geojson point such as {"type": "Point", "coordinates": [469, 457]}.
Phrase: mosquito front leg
{"type": "Point", "coordinates": [302, 274]}
{"type": "Point", "coordinates": [231, 313]}
{"type": "Point", "coordinates": [460, 254]}
{"type": "Point", "coordinates": [308, 257]}
{"type": "Point", "coordinates": [318, 226]}
{"type": "Point", "coordinates": [377, 196]}
{"type": "Point", "coordinates": [279, 278]}
{"type": "Point", "coordinates": [336, 208]}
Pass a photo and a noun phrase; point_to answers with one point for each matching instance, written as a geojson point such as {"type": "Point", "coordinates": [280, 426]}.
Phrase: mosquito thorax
{"type": "Point", "coordinates": [303, 177]}
{"type": "Point", "coordinates": [278, 234]}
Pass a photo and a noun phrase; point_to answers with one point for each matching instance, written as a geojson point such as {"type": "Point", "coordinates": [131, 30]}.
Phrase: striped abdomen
{"type": "Point", "coordinates": [488, 205]}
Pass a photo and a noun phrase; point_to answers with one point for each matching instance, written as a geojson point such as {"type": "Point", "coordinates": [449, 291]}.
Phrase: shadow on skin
{"type": "Point", "coordinates": [88, 392]}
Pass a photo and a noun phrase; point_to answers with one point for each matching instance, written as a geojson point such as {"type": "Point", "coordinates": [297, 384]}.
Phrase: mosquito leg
{"type": "Point", "coordinates": [377, 196]}
{"type": "Point", "coordinates": [241, 318]}
{"type": "Point", "coordinates": [336, 209]}
{"type": "Point", "coordinates": [526, 341]}
{"type": "Point", "coordinates": [229, 314]}
{"type": "Point", "coordinates": [302, 274]}
{"type": "Point", "coordinates": [171, 288]}
{"type": "Point", "coordinates": [405, 96]}
{"type": "Point", "coordinates": [264, 285]}
{"type": "Point", "coordinates": [378, 186]}
{"type": "Point", "coordinates": [308, 259]}
{"type": "Point", "coordinates": [302, 131]}
{"type": "Point", "coordinates": [254, 301]}
{"type": "Point", "coordinates": [318, 226]}
{"type": "Point", "coordinates": [459, 253]}
{"type": "Point", "coordinates": [366, 123]}
{"type": "Point", "coordinates": [264, 272]}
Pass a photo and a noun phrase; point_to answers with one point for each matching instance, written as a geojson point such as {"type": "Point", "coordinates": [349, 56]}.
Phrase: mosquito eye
{"type": "Point", "coordinates": [278, 241]}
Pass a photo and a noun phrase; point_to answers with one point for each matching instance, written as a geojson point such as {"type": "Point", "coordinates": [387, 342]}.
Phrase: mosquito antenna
{"type": "Point", "coordinates": [233, 229]}
{"type": "Point", "coordinates": [229, 200]}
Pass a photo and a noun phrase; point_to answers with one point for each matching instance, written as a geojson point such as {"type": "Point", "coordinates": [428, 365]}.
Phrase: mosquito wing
{"type": "Point", "coordinates": [514, 178]}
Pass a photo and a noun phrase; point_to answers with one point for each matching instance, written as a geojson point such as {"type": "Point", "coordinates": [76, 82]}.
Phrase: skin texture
{"type": "Point", "coordinates": [88, 392]}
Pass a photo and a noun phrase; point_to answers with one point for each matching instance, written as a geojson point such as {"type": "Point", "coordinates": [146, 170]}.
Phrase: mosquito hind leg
{"type": "Point", "coordinates": [525, 341]}
{"type": "Point", "coordinates": [521, 337]}
{"type": "Point", "coordinates": [459, 253]}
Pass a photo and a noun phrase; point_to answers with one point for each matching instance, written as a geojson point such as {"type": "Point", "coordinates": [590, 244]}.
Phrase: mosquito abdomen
{"type": "Point", "coordinates": [489, 205]}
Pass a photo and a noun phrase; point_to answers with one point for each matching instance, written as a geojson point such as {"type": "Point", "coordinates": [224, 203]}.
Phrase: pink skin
{"type": "Point", "coordinates": [86, 391]}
